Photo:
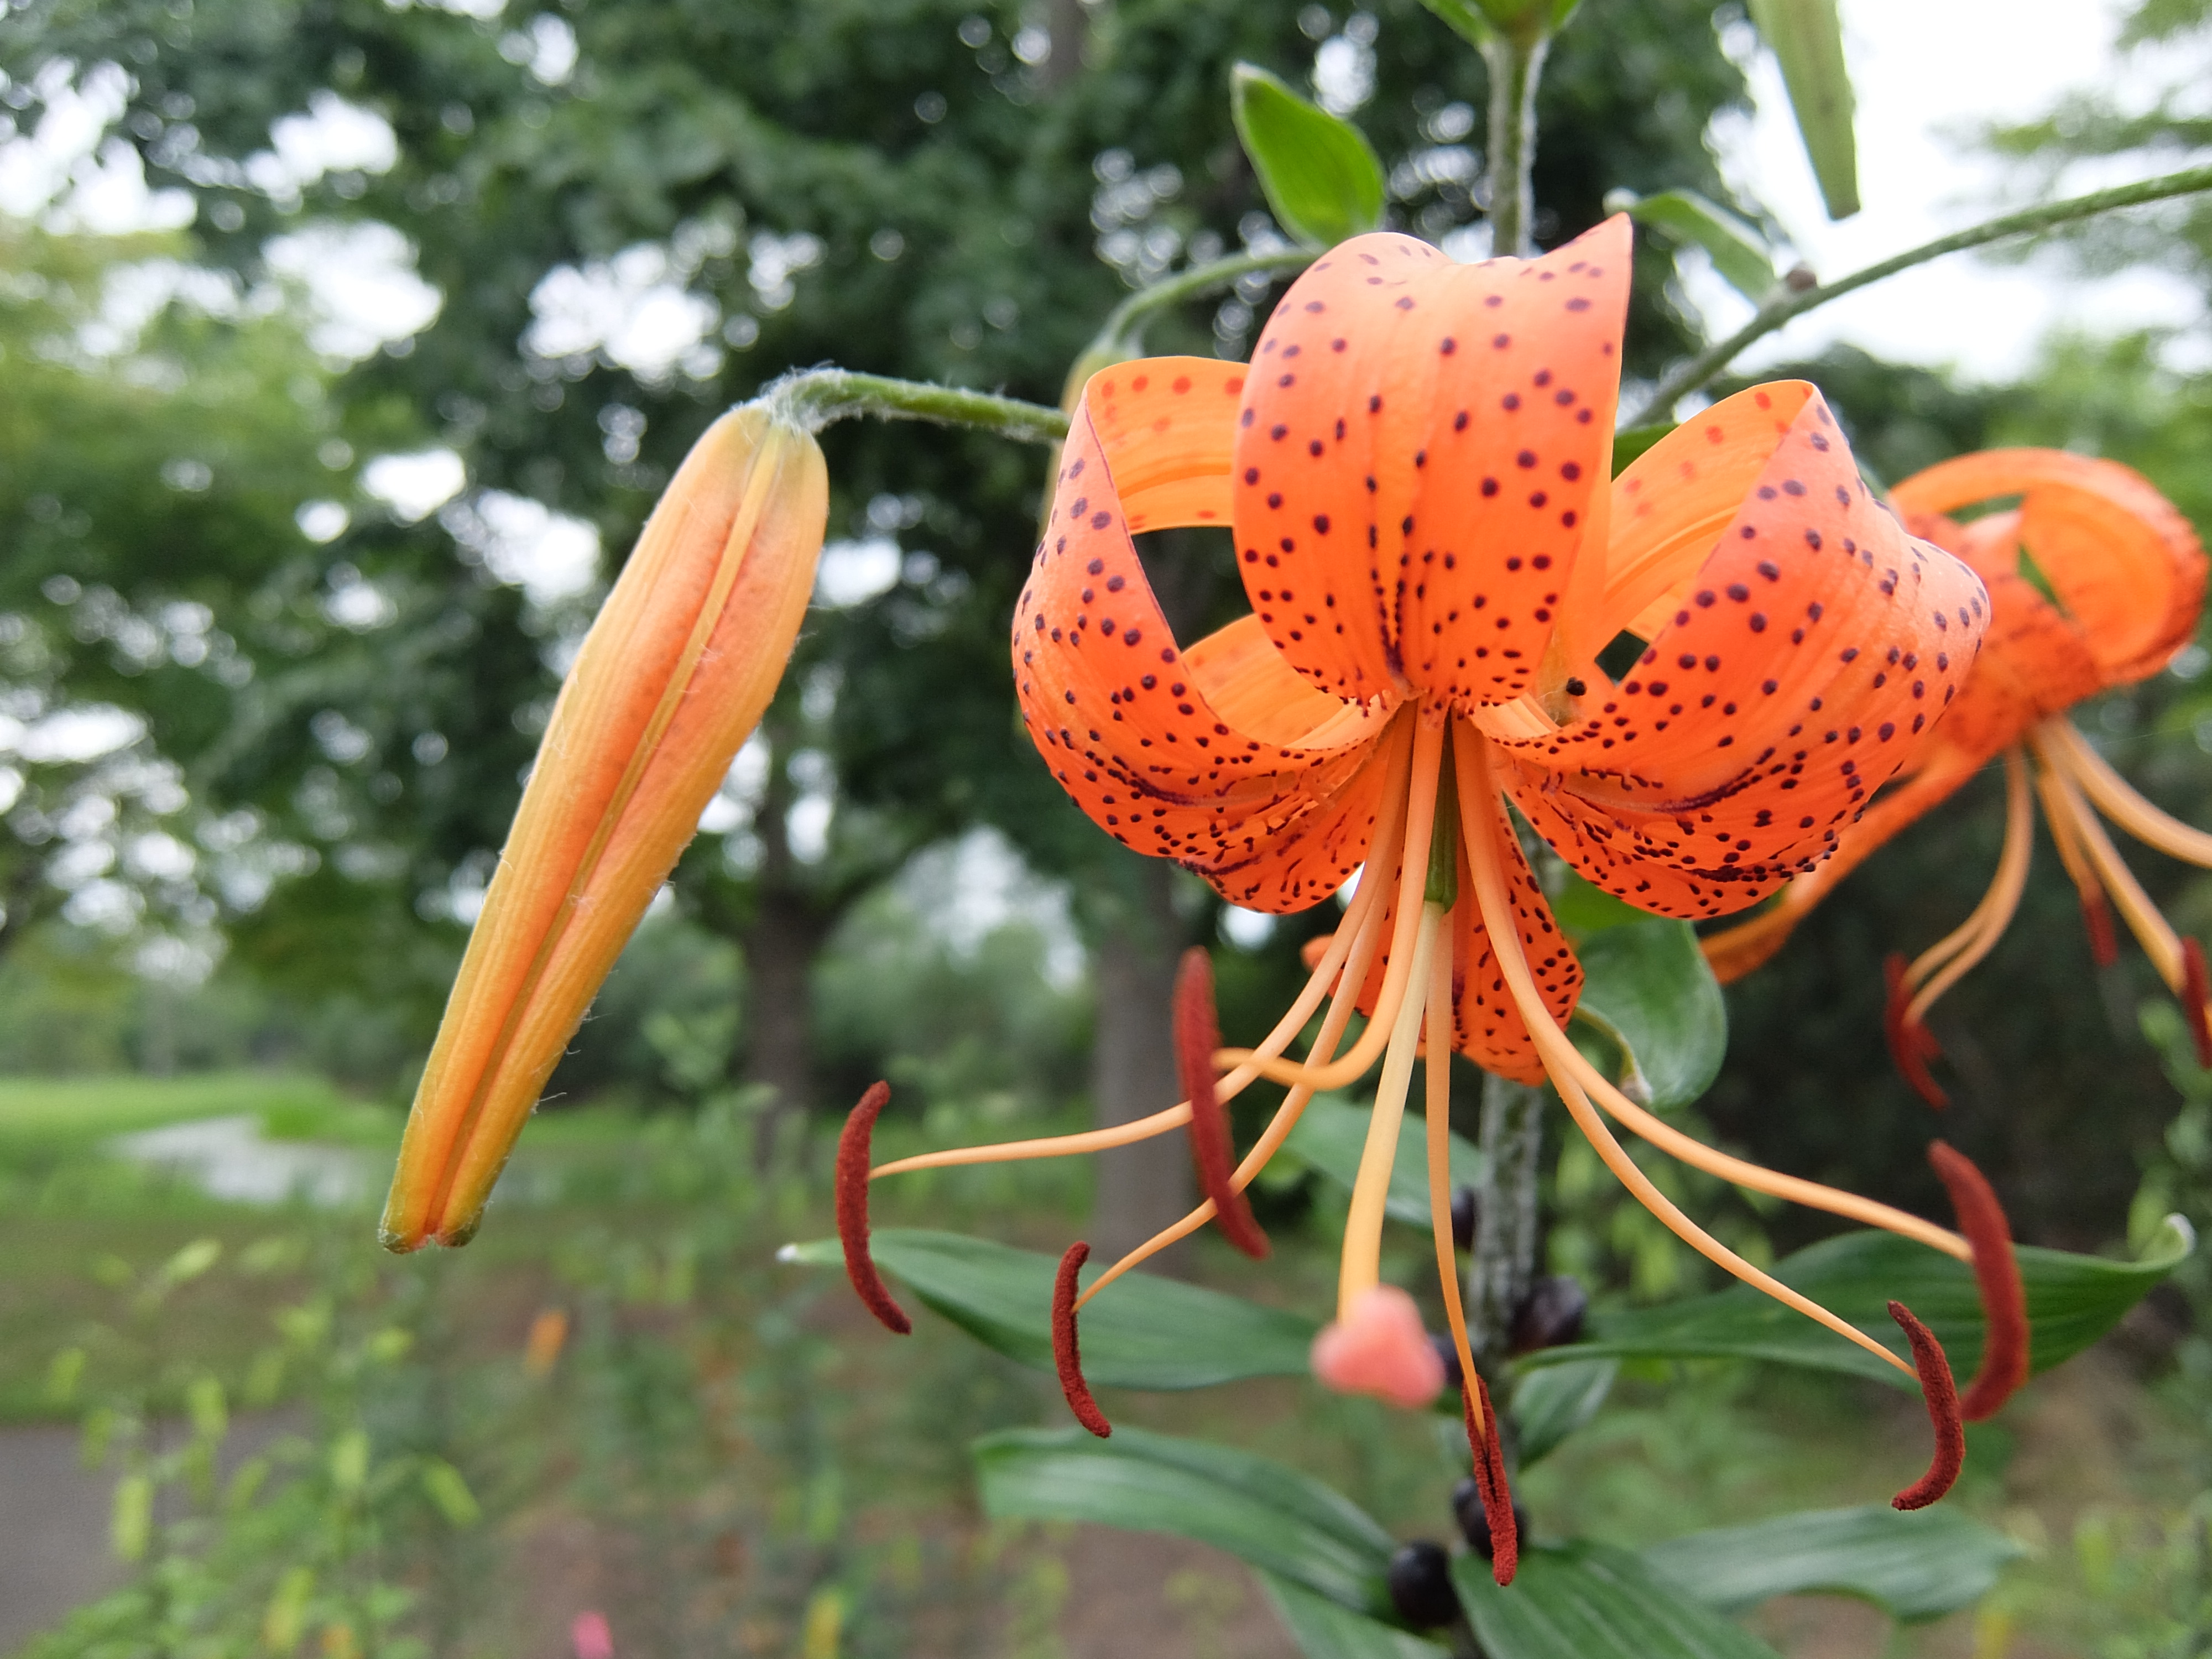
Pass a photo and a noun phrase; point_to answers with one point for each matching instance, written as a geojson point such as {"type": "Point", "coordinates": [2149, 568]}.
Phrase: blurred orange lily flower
{"type": "Point", "coordinates": [673, 678]}
{"type": "Point", "coordinates": [2095, 582]}
{"type": "Point", "coordinates": [1415, 467]}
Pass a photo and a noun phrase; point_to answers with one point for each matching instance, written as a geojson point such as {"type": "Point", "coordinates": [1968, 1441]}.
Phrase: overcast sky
{"type": "Point", "coordinates": [1928, 74]}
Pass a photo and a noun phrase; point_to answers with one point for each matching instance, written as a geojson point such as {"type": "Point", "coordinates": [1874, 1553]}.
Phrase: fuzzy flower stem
{"type": "Point", "coordinates": [812, 398]}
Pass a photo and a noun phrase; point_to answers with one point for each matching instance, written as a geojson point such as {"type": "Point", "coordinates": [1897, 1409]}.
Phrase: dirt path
{"type": "Point", "coordinates": [53, 1531]}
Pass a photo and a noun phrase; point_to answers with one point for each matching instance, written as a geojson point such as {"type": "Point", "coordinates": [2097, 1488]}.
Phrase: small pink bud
{"type": "Point", "coordinates": [589, 1636]}
{"type": "Point", "coordinates": [1381, 1349]}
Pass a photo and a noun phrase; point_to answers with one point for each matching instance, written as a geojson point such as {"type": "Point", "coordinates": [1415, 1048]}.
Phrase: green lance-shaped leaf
{"type": "Point", "coordinates": [1736, 250]}
{"type": "Point", "coordinates": [1550, 1403]}
{"type": "Point", "coordinates": [1278, 1520]}
{"type": "Point", "coordinates": [2072, 1300]}
{"type": "Point", "coordinates": [1591, 1602]}
{"type": "Point", "coordinates": [1319, 174]}
{"type": "Point", "coordinates": [1647, 989]}
{"type": "Point", "coordinates": [1323, 1630]}
{"type": "Point", "coordinates": [1632, 440]}
{"type": "Point", "coordinates": [1143, 1332]}
{"type": "Point", "coordinates": [1808, 37]}
{"type": "Point", "coordinates": [1333, 1133]}
{"type": "Point", "coordinates": [1917, 1564]}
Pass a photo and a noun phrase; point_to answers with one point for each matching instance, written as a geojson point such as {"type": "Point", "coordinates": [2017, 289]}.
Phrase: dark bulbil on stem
{"type": "Point", "coordinates": [1420, 1580]}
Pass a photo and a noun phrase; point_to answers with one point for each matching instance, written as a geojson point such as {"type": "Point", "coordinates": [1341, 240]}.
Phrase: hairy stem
{"type": "Point", "coordinates": [1504, 1259]}
{"type": "Point", "coordinates": [814, 397]}
{"type": "Point", "coordinates": [1784, 305]}
{"type": "Point", "coordinates": [1516, 65]}
{"type": "Point", "coordinates": [1125, 324]}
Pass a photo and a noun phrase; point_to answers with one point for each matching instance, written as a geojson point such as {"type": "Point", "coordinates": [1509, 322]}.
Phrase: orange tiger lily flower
{"type": "Point", "coordinates": [1415, 467]}
{"type": "Point", "coordinates": [2095, 582]}
{"type": "Point", "coordinates": [672, 679]}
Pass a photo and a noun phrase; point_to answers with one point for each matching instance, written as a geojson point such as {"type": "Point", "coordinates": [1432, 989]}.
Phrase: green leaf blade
{"type": "Point", "coordinates": [1319, 174]}
{"type": "Point", "coordinates": [1920, 1564]}
{"type": "Point", "coordinates": [1649, 983]}
{"type": "Point", "coordinates": [1145, 1333]}
{"type": "Point", "coordinates": [1807, 37]}
{"type": "Point", "coordinates": [2072, 1300]}
{"type": "Point", "coordinates": [1323, 1630]}
{"type": "Point", "coordinates": [1591, 1602]}
{"type": "Point", "coordinates": [1275, 1518]}
{"type": "Point", "coordinates": [1737, 251]}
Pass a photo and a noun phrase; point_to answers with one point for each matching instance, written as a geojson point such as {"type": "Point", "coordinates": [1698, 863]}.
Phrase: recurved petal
{"type": "Point", "coordinates": [1220, 757]}
{"type": "Point", "coordinates": [1416, 459]}
{"type": "Point", "coordinates": [674, 674]}
{"type": "Point", "coordinates": [2125, 565]}
{"type": "Point", "coordinates": [1792, 667]}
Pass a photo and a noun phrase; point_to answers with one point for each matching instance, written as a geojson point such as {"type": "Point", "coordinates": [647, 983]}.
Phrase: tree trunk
{"type": "Point", "coordinates": [780, 939]}
{"type": "Point", "coordinates": [1144, 1187]}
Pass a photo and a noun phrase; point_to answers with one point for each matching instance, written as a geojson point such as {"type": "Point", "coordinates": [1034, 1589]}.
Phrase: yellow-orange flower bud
{"type": "Point", "coordinates": [673, 676]}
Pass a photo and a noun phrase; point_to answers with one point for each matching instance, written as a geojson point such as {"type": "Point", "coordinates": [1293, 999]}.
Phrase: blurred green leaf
{"type": "Point", "coordinates": [1919, 1564]}
{"type": "Point", "coordinates": [1323, 1630]}
{"type": "Point", "coordinates": [1631, 441]}
{"type": "Point", "coordinates": [1591, 1602]}
{"type": "Point", "coordinates": [1333, 1133]}
{"type": "Point", "coordinates": [443, 1485]}
{"type": "Point", "coordinates": [1550, 1403]}
{"type": "Point", "coordinates": [1142, 1332]}
{"type": "Point", "coordinates": [130, 1521]}
{"type": "Point", "coordinates": [1320, 174]}
{"type": "Point", "coordinates": [204, 1403]}
{"type": "Point", "coordinates": [2072, 1300]}
{"type": "Point", "coordinates": [1808, 37]}
{"type": "Point", "coordinates": [1650, 984]}
{"type": "Point", "coordinates": [1275, 1518]}
{"type": "Point", "coordinates": [1737, 251]}
{"type": "Point", "coordinates": [189, 1263]}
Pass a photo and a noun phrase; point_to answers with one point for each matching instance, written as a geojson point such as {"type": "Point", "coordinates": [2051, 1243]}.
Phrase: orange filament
{"type": "Point", "coordinates": [1490, 1482]}
{"type": "Point", "coordinates": [1288, 1113]}
{"type": "Point", "coordinates": [1197, 1035]}
{"type": "Point", "coordinates": [1436, 1077]}
{"type": "Point", "coordinates": [1067, 1358]}
{"type": "Point", "coordinates": [1996, 1276]}
{"type": "Point", "coordinates": [1911, 1045]}
{"type": "Point", "coordinates": [853, 1209]}
{"type": "Point", "coordinates": [2117, 801]}
{"type": "Point", "coordinates": [2096, 909]}
{"type": "Point", "coordinates": [1478, 816]}
{"type": "Point", "coordinates": [1941, 967]}
{"type": "Point", "coordinates": [1941, 1393]}
{"type": "Point", "coordinates": [1366, 905]}
{"type": "Point", "coordinates": [1361, 1269]}
{"type": "Point", "coordinates": [1413, 880]}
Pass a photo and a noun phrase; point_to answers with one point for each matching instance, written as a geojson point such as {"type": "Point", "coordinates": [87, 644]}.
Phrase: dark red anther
{"type": "Point", "coordinates": [1067, 1358]}
{"type": "Point", "coordinates": [853, 1209]}
{"type": "Point", "coordinates": [1490, 1481]}
{"type": "Point", "coordinates": [2195, 992]}
{"type": "Point", "coordinates": [1942, 1396]}
{"type": "Point", "coordinates": [1996, 1275]}
{"type": "Point", "coordinates": [1197, 1035]}
{"type": "Point", "coordinates": [2097, 920]}
{"type": "Point", "coordinates": [1911, 1045]}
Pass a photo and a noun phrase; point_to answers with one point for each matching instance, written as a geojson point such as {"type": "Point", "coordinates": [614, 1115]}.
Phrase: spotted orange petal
{"type": "Point", "coordinates": [1420, 451]}
{"type": "Point", "coordinates": [1219, 757]}
{"type": "Point", "coordinates": [1793, 660]}
{"type": "Point", "coordinates": [2125, 565]}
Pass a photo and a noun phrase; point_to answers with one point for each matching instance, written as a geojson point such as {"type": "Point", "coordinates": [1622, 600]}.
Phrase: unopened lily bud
{"type": "Point", "coordinates": [673, 676]}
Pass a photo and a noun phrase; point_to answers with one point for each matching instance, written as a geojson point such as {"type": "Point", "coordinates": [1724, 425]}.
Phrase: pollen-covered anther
{"type": "Point", "coordinates": [2097, 922]}
{"type": "Point", "coordinates": [852, 1145]}
{"type": "Point", "coordinates": [2195, 990]}
{"type": "Point", "coordinates": [1197, 1035]}
{"type": "Point", "coordinates": [1490, 1480]}
{"type": "Point", "coordinates": [1911, 1045]}
{"type": "Point", "coordinates": [1996, 1276]}
{"type": "Point", "coordinates": [1380, 1348]}
{"type": "Point", "coordinates": [1067, 1358]}
{"type": "Point", "coordinates": [1941, 1393]}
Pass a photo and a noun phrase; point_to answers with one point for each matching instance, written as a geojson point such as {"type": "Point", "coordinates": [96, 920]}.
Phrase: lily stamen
{"type": "Point", "coordinates": [1066, 1356]}
{"type": "Point", "coordinates": [1996, 1276]}
{"type": "Point", "coordinates": [1941, 1393]}
{"type": "Point", "coordinates": [1197, 1035]}
{"type": "Point", "coordinates": [2096, 909]}
{"type": "Point", "coordinates": [853, 1209]}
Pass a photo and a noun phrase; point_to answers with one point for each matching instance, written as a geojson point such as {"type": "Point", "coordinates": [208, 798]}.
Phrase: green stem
{"type": "Point", "coordinates": [1784, 305]}
{"type": "Point", "coordinates": [1124, 325]}
{"type": "Point", "coordinates": [814, 397]}
{"type": "Point", "coordinates": [1516, 65]}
